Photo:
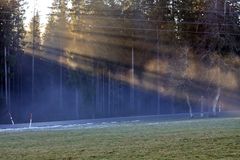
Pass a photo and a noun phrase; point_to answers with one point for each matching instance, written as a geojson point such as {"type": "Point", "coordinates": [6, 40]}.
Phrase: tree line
{"type": "Point", "coordinates": [124, 36]}
{"type": "Point", "coordinates": [203, 25]}
{"type": "Point", "coordinates": [117, 31]}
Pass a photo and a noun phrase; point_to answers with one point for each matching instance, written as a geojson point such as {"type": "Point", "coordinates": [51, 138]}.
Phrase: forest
{"type": "Point", "coordinates": [117, 58]}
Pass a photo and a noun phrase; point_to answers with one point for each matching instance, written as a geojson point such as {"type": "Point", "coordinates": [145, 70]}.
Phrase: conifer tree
{"type": "Point", "coordinates": [34, 33]}
{"type": "Point", "coordinates": [222, 26]}
{"type": "Point", "coordinates": [11, 43]}
{"type": "Point", "coordinates": [57, 29]}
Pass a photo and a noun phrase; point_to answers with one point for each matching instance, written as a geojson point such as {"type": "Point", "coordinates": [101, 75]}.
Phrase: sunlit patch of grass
{"type": "Point", "coordinates": [197, 139]}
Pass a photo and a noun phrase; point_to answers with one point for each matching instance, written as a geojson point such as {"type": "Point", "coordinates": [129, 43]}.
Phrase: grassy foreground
{"type": "Point", "coordinates": [198, 139]}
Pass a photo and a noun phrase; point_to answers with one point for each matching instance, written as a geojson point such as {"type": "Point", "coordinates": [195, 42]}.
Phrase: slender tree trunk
{"type": "Point", "coordinates": [6, 76]}
{"type": "Point", "coordinates": [61, 86]}
{"type": "Point", "coordinates": [103, 92]}
{"type": "Point", "coordinates": [11, 118]}
{"type": "Point", "coordinates": [220, 105]}
{"type": "Point", "coordinates": [33, 74]}
{"type": "Point", "coordinates": [96, 93]}
{"type": "Point", "coordinates": [202, 109]}
{"type": "Point", "coordinates": [77, 102]}
{"type": "Point", "coordinates": [9, 89]}
{"type": "Point", "coordinates": [21, 82]}
{"type": "Point", "coordinates": [215, 102]}
{"type": "Point", "coordinates": [190, 106]}
{"type": "Point", "coordinates": [94, 99]}
{"type": "Point", "coordinates": [109, 92]}
{"type": "Point", "coordinates": [121, 90]}
{"type": "Point", "coordinates": [118, 96]}
{"type": "Point", "coordinates": [30, 121]}
{"type": "Point", "coordinates": [158, 77]}
{"type": "Point", "coordinates": [172, 103]}
{"type": "Point", "coordinates": [7, 85]}
{"type": "Point", "coordinates": [132, 81]}
{"type": "Point", "coordinates": [33, 53]}
{"type": "Point", "coordinates": [114, 98]}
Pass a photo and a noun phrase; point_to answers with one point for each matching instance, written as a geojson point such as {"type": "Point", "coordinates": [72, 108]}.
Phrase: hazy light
{"type": "Point", "coordinates": [42, 6]}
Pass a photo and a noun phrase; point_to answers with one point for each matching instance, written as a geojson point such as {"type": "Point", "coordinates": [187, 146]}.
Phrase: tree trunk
{"type": "Point", "coordinates": [215, 102]}
{"type": "Point", "coordinates": [158, 72]}
{"type": "Point", "coordinates": [33, 75]}
{"type": "Point", "coordinates": [96, 94]}
{"type": "Point", "coordinates": [103, 92]}
{"type": "Point", "coordinates": [132, 96]}
{"type": "Point", "coordinates": [9, 85]}
{"type": "Point", "coordinates": [33, 52]}
{"type": "Point", "coordinates": [94, 105]}
{"type": "Point", "coordinates": [77, 102]}
{"type": "Point", "coordinates": [10, 116]}
{"type": "Point", "coordinates": [202, 109]}
{"type": "Point", "coordinates": [109, 93]}
{"type": "Point", "coordinates": [6, 76]}
{"type": "Point", "coordinates": [220, 107]}
{"type": "Point", "coordinates": [61, 86]}
{"type": "Point", "coordinates": [172, 104]}
{"type": "Point", "coordinates": [189, 105]}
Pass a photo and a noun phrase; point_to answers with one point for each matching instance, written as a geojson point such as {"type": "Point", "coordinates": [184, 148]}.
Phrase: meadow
{"type": "Point", "coordinates": [215, 138]}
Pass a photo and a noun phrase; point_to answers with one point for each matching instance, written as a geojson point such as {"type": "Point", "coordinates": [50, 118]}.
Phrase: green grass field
{"type": "Point", "coordinates": [198, 139]}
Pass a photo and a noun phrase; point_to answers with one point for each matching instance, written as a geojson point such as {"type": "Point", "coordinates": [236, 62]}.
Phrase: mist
{"type": "Point", "coordinates": [117, 59]}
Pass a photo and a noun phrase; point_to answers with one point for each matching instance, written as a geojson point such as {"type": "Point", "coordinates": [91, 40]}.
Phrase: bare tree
{"type": "Point", "coordinates": [190, 106]}
{"type": "Point", "coordinates": [215, 101]}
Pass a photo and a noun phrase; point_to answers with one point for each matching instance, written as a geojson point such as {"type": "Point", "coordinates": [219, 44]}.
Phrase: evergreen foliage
{"type": "Point", "coordinates": [11, 40]}
{"type": "Point", "coordinates": [33, 36]}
